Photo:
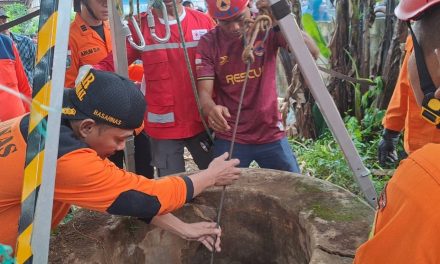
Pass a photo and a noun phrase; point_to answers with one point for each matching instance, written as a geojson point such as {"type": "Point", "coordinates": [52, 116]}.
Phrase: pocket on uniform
{"type": "Point", "coordinates": [156, 65]}
{"type": "Point", "coordinates": [159, 85]}
{"type": "Point", "coordinates": [161, 116]}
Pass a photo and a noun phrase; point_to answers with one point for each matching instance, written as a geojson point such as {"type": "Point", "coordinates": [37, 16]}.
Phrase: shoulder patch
{"type": "Point", "coordinates": [83, 28]}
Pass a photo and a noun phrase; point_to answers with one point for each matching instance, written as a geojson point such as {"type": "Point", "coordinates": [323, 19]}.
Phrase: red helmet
{"type": "Point", "coordinates": [224, 9]}
{"type": "Point", "coordinates": [411, 9]}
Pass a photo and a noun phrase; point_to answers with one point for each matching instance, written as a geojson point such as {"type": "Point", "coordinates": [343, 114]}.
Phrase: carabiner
{"type": "Point", "coordinates": [152, 26]}
{"type": "Point", "coordinates": [141, 45]}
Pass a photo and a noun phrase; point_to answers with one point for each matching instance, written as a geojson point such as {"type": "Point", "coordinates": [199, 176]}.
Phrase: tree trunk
{"type": "Point", "coordinates": [298, 95]}
{"type": "Point", "coordinates": [368, 21]}
{"type": "Point", "coordinates": [386, 41]}
{"type": "Point", "coordinates": [391, 66]}
{"type": "Point", "coordinates": [339, 61]}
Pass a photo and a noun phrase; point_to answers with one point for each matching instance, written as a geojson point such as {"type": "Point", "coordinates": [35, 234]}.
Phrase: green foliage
{"type": "Point", "coordinates": [322, 158]}
{"type": "Point", "coordinates": [311, 27]}
{"type": "Point", "coordinates": [70, 215]}
{"type": "Point", "coordinates": [17, 10]}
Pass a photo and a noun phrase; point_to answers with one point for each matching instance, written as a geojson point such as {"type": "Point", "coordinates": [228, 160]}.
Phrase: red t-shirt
{"type": "Point", "coordinates": [219, 57]}
{"type": "Point", "coordinates": [171, 106]}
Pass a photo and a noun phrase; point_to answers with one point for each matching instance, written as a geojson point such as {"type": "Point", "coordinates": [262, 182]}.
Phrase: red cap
{"type": "Point", "coordinates": [224, 9]}
{"type": "Point", "coordinates": [411, 9]}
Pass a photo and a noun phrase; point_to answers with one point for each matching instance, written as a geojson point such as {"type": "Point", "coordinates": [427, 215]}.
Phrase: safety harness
{"type": "Point", "coordinates": [430, 104]}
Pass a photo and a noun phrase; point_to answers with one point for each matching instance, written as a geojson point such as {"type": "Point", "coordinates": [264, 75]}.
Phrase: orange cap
{"type": "Point", "coordinates": [224, 9]}
{"type": "Point", "coordinates": [411, 9]}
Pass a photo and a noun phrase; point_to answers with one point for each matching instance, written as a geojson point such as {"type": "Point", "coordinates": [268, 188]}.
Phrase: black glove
{"type": "Point", "coordinates": [387, 147]}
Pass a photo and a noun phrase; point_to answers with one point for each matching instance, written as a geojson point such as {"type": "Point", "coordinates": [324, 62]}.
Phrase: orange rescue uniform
{"type": "Point", "coordinates": [85, 47]}
{"type": "Point", "coordinates": [13, 76]}
{"type": "Point", "coordinates": [403, 112]}
{"type": "Point", "coordinates": [408, 219]}
{"type": "Point", "coordinates": [82, 179]}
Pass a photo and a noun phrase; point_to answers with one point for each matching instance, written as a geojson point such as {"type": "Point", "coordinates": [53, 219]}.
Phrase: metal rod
{"type": "Point", "coordinates": [19, 20]}
{"type": "Point", "coordinates": [325, 102]}
{"type": "Point", "coordinates": [43, 213]}
{"type": "Point", "coordinates": [119, 32]}
{"type": "Point", "coordinates": [231, 149]}
{"type": "Point", "coordinates": [38, 181]}
{"type": "Point", "coordinates": [190, 72]}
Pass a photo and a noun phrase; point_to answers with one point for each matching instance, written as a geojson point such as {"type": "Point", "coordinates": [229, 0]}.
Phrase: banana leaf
{"type": "Point", "coordinates": [311, 27]}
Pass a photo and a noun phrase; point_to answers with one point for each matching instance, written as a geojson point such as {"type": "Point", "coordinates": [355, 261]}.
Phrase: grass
{"type": "Point", "coordinates": [322, 158]}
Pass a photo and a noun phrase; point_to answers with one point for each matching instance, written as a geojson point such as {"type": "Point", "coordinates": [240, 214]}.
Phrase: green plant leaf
{"type": "Point", "coordinates": [311, 27]}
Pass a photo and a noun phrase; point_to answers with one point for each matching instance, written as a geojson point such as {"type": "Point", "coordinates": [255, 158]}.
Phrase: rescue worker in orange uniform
{"type": "Point", "coordinates": [89, 43]}
{"type": "Point", "coordinates": [94, 125]}
{"type": "Point", "coordinates": [403, 114]}
{"type": "Point", "coordinates": [90, 39]}
{"type": "Point", "coordinates": [12, 76]}
{"type": "Point", "coordinates": [407, 222]}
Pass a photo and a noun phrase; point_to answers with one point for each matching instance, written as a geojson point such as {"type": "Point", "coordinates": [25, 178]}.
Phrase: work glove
{"type": "Point", "coordinates": [387, 147]}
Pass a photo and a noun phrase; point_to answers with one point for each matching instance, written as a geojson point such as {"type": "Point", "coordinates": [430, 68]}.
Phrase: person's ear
{"type": "Point", "coordinates": [86, 127]}
{"type": "Point", "coordinates": [414, 80]}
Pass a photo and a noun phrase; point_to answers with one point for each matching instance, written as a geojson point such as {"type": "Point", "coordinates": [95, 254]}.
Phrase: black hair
{"type": "Point", "coordinates": [187, 3]}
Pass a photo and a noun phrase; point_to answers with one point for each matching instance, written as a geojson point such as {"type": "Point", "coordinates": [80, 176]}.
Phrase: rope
{"type": "Point", "coordinates": [253, 27]}
{"type": "Point", "coordinates": [231, 149]}
{"type": "Point", "coordinates": [190, 71]}
{"type": "Point", "coordinates": [262, 22]}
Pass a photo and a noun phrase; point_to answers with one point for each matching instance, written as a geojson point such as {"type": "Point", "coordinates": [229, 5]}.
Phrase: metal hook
{"type": "Point", "coordinates": [152, 26]}
{"type": "Point", "coordinates": [137, 29]}
{"type": "Point", "coordinates": [141, 45]}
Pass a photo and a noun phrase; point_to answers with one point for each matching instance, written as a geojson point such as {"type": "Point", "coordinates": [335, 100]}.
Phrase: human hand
{"type": "Point", "coordinates": [387, 147]}
{"type": "Point", "coordinates": [204, 232]}
{"type": "Point", "coordinates": [262, 4]}
{"type": "Point", "coordinates": [216, 118]}
{"type": "Point", "coordinates": [224, 171]}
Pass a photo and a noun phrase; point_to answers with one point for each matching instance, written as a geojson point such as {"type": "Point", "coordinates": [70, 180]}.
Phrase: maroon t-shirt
{"type": "Point", "coordinates": [219, 57]}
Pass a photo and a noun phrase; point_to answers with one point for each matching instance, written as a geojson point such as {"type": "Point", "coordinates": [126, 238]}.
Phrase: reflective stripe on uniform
{"type": "Point", "coordinates": [160, 118]}
{"type": "Point", "coordinates": [160, 46]}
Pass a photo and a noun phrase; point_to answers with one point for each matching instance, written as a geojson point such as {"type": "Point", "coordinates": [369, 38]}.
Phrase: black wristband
{"type": "Point", "coordinates": [390, 134]}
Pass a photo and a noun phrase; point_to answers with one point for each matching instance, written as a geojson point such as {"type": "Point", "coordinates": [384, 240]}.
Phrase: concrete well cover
{"type": "Point", "coordinates": [268, 217]}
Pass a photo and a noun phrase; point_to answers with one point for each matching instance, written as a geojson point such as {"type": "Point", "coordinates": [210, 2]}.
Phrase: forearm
{"type": "Point", "coordinates": [207, 104]}
{"type": "Point", "coordinates": [169, 223]}
{"type": "Point", "coordinates": [201, 181]}
{"type": "Point", "coordinates": [205, 89]}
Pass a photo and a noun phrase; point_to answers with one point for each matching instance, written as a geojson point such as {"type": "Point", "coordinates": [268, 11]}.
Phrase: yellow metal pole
{"type": "Point", "coordinates": [38, 128]}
